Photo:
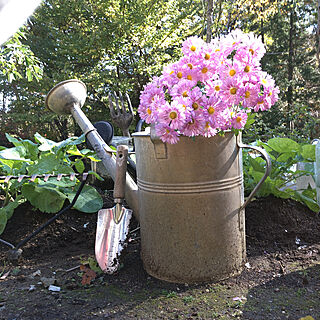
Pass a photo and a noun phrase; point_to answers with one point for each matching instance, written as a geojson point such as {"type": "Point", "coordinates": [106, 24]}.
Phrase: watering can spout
{"type": "Point", "coordinates": [68, 97]}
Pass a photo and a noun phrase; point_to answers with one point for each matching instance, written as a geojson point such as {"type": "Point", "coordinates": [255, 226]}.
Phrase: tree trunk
{"type": "Point", "coordinates": [318, 35]}
{"type": "Point", "coordinates": [209, 20]}
{"type": "Point", "coordinates": [290, 60]}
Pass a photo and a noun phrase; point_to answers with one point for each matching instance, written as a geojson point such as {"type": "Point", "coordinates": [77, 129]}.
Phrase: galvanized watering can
{"type": "Point", "coordinates": [188, 197]}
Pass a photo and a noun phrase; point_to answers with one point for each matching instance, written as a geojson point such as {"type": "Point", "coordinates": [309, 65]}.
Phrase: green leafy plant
{"type": "Point", "coordinates": [285, 154]}
{"type": "Point", "coordinates": [44, 156]}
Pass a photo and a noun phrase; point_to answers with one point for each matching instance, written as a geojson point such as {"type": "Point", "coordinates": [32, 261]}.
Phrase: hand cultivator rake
{"type": "Point", "coordinates": [15, 252]}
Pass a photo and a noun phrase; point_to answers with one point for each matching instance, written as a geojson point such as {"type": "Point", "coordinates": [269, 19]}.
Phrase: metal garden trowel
{"type": "Point", "coordinates": [113, 223]}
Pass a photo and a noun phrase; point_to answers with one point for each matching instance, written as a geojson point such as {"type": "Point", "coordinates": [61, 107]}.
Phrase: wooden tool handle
{"type": "Point", "coordinates": [121, 170]}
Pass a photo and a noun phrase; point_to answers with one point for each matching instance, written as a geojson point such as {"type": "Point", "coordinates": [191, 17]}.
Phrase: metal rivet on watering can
{"type": "Point", "coordinates": [191, 208]}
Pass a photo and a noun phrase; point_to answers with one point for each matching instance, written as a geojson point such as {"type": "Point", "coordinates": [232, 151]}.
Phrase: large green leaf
{"type": "Point", "coordinates": [30, 148]}
{"type": "Point", "coordinates": [3, 220]}
{"type": "Point", "coordinates": [311, 203]}
{"type": "Point", "coordinates": [282, 145]}
{"type": "Point", "coordinates": [45, 144]}
{"type": "Point", "coordinates": [48, 163]}
{"type": "Point", "coordinates": [308, 152]}
{"type": "Point", "coordinates": [89, 200]}
{"type": "Point", "coordinates": [258, 164]}
{"type": "Point", "coordinates": [13, 154]}
{"type": "Point", "coordinates": [11, 206]}
{"type": "Point", "coordinates": [45, 198]}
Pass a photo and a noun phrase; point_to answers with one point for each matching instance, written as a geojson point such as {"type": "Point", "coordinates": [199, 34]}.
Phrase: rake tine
{"type": "Point", "coordinates": [123, 107]}
{"type": "Point", "coordinates": [33, 177]}
{"type": "Point", "coordinates": [46, 177]}
{"type": "Point", "coordinates": [129, 103]}
{"type": "Point", "coordinates": [117, 104]}
{"type": "Point", "coordinates": [59, 176]}
{"type": "Point", "coordinates": [72, 176]}
{"type": "Point", "coordinates": [111, 107]}
{"type": "Point", "coordinates": [84, 176]}
{"type": "Point", "coordinates": [7, 179]}
{"type": "Point", "coordinates": [21, 177]}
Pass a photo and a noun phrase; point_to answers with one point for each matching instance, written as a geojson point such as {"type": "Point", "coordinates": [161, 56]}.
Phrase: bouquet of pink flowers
{"type": "Point", "coordinates": [212, 88]}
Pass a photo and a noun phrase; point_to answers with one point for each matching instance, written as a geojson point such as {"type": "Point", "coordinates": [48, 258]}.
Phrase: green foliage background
{"type": "Point", "coordinates": [119, 45]}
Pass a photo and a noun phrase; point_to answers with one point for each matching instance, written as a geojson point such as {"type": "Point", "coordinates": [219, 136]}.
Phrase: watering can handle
{"type": "Point", "coordinates": [266, 174]}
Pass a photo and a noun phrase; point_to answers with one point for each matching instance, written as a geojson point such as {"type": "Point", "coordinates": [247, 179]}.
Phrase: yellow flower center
{"type": "Point", "coordinates": [179, 75]}
{"type": "Point", "coordinates": [264, 81]}
{"type": "Point", "coordinates": [184, 106]}
{"type": "Point", "coordinates": [172, 72]}
{"type": "Point", "coordinates": [207, 126]}
{"type": "Point", "coordinates": [193, 48]}
{"type": "Point", "coordinates": [232, 72]}
{"type": "Point", "coordinates": [211, 110]}
{"type": "Point", "coordinates": [270, 94]}
{"type": "Point", "coordinates": [204, 70]}
{"type": "Point", "coordinates": [207, 56]}
{"type": "Point", "coordinates": [149, 111]}
{"type": "Point", "coordinates": [233, 90]}
{"type": "Point", "coordinates": [247, 69]}
{"type": "Point", "coordinates": [251, 51]}
{"type": "Point", "coordinates": [260, 102]}
{"type": "Point", "coordinates": [167, 131]}
{"type": "Point", "coordinates": [195, 106]}
{"type": "Point", "coordinates": [184, 94]}
{"type": "Point", "coordinates": [217, 88]}
{"type": "Point", "coordinates": [173, 115]}
{"type": "Point", "coordinates": [238, 119]}
{"type": "Point", "coordinates": [190, 65]}
{"type": "Point", "coordinates": [217, 50]}
{"type": "Point", "coordinates": [189, 77]}
{"type": "Point", "coordinates": [247, 94]}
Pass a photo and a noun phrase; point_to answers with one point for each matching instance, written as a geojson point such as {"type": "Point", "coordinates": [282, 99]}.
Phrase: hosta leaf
{"type": "Point", "coordinates": [45, 144]}
{"type": "Point", "coordinates": [12, 154]}
{"type": "Point", "coordinates": [257, 164]}
{"type": "Point", "coordinates": [311, 203]}
{"type": "Point", "coordinates": [11, 206]}
{"type": "Point", "coordinates": [3, 220]}
{"type": "Point", "coordinates": [308, 152]}
{"type": "Point", "coordinates": [282, 145]}
{"type": "Point", "coordinates": [284, 157]}
{"type": "Point", "coordinates": [31, 148]}
{"type": "Point", "coordinates": [79, 166]}
{"type": "Point", "coordinates": [89, 200]}
{"type": "Point", "coordinates": [47, 163]}
{"type": "Point", "coordinates": [45, 198]}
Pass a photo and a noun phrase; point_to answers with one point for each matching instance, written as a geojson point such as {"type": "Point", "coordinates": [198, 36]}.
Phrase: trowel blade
{"type": "Point", "coordinates": [110, 238]}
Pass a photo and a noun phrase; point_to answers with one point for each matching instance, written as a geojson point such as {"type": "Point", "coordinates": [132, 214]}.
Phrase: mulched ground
{"type": "Point", "coordinates": [281, 279]}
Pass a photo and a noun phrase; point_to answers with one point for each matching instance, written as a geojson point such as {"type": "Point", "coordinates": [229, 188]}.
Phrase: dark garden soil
{"type": "Point", "coordinates": [281, 279]}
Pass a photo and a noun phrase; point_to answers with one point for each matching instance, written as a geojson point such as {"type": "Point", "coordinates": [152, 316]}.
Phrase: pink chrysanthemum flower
{"type": "Point", "coordinates": [208, 131]}
{"type": "Point", "coordinates": [263, 104]}
{"type": "Point", "coordinates": [167, 134]}
{"type": "Point", "coordinates": [250, 95]}
{"type": "Point", "coordinates": [210, 89]}
{"type": "Point", "coordinates": [194, 127]}
{"type": "Point", "coordinates": [174, 115]}
{"type": "Point", "coordinates": [181, 89]}
{"type": "Point", "coordinates": [213, 87]}
{"type": "Point", "coordinates": [254, 46]}
{"type": "Point", "coordinates": [239, 120]}
{"type": "Point", "coordinates": [192, 46]}
{"type": "Point", "coordinates": [231, 90]}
